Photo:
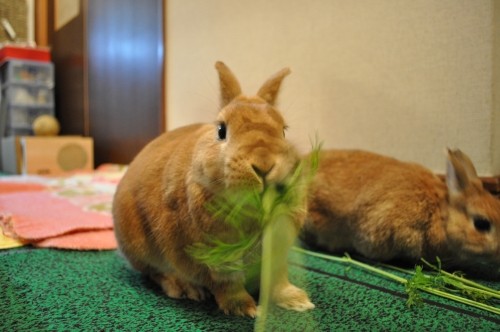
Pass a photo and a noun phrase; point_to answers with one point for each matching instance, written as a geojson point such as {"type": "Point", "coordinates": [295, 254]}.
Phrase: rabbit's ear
{"type": "Point", "coordinates": [229, 85]}
{"type": "Point", "coordinates": [460, 172]}
{"type": "Point", "coordinates": [269, 90]}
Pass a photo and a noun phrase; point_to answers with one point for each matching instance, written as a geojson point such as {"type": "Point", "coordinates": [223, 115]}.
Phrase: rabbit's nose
{"type": "Point", "coordinates": [262, 170]}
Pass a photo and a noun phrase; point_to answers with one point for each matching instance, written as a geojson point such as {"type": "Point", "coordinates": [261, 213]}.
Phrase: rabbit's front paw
{"type": "Point", "coordinates": [241, 304]}
{"type": "Point", "coordinates": [177, 288]}
{"type": "Point", "coordinates": [292, 298]}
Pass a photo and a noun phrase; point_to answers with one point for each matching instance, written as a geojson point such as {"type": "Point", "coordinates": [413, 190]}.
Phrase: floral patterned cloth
{"type": "Point", "coordinates": [72, 212]}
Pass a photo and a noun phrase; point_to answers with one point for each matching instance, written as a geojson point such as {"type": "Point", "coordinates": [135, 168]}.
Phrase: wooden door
{"type": "Point", "coordinates": [125, 49]}
{"type": "Point", "coordinates": [109, 64]}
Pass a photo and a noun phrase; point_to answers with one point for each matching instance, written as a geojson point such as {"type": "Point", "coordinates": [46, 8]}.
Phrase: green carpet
{"type": "Point", "coordinates": [55, 290]}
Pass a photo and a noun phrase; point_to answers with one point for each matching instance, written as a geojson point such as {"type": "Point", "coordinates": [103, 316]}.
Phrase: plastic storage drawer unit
{"type": "Point", "coordinates": [28, 72]}
{"type": "Point", "coordinates": [23, 117]}
{"type": "Point", "coordinates": [29, 95]}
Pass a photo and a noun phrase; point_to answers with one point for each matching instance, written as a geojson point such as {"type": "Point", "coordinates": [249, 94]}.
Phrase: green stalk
{"type": "Point", "coordinates": [462, 300]}
{"type": "Point", "coordinates": [453, 279]}
{"type": "Point", "coordinates": [467, 284]}
{"type": "Point", "coordinates": [349, 260]}
{"type": "Point", "coordinates": [265, 280]}
{"type": "Point", "coordinates": [460, 284]}
{"type": "Point", "coordinates": [430, 290]}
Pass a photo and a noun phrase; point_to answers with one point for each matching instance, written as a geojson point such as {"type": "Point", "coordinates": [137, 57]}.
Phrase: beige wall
{"type": "Point", "coordinates": [495, 84]}
{"type": "Point", "coordinates": [405, 78]}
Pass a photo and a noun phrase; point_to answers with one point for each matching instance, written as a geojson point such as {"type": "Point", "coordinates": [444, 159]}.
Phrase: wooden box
{"type": "Point", "coordinates": [53, 155]}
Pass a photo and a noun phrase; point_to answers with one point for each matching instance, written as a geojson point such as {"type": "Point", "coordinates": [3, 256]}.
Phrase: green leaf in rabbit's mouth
{"type": "Point", "coordinates": [248, 212]}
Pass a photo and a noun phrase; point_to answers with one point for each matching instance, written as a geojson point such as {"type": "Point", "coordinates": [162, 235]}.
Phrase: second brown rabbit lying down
{"type": "Point", "coordinates": [160, 206]}
{"type": "Point", "coordinates": [385, 209]}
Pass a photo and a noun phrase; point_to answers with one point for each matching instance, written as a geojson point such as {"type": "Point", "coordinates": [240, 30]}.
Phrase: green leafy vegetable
{"type": "Point", "coordinates": [247, 213]}
{"type": "Point", "coordinates": [452, 286]}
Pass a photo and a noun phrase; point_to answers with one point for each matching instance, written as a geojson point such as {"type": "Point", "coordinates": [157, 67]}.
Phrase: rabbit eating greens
{"type": "Point", "coordinates": [160, 206]}
{"type": "Point", "coordinates": [385, 209]}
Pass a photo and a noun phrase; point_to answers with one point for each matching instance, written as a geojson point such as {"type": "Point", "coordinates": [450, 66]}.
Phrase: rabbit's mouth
{"type": "Point", "coordinates": [261, 183]}
{"type": "Point", "coordinates": [261, 187]}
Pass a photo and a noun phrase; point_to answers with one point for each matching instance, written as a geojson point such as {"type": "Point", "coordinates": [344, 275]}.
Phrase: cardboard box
{"type": "Point", "coordinates": [50, 155]}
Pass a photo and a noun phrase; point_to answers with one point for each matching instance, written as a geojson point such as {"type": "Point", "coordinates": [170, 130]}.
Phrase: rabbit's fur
{"type": "Point", "coordinates": [386, 209]}
{"type": "Point", "coordinates": [160, 206]}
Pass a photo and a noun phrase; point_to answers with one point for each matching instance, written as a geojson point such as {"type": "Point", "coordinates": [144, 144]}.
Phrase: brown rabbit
{"type": "Point", "coordinates": [386, 209]}
{"type": "Point", "coordinates": [160, 209]}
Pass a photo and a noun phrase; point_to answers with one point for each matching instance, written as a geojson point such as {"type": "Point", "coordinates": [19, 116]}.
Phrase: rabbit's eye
{"type": "Point", "coordinates": [482, 224]}
{"type": "Point", "coordinates": [221, 131]}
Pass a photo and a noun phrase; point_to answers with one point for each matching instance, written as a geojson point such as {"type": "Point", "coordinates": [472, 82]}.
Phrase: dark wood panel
{"type": "Point", "coordinates": [125, 61]}
{"type": "Point", "coordinates": [110, 76]}
{"type": "Point", "coordinates": [68, 57]}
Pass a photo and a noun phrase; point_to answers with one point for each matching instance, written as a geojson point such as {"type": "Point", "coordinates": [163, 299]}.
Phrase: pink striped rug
{"type": "Point", "coordinates": [72, 212]}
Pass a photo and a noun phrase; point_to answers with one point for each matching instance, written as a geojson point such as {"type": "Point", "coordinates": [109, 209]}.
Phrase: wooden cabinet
{"type": "Point", "coordinates": [109, 69]}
